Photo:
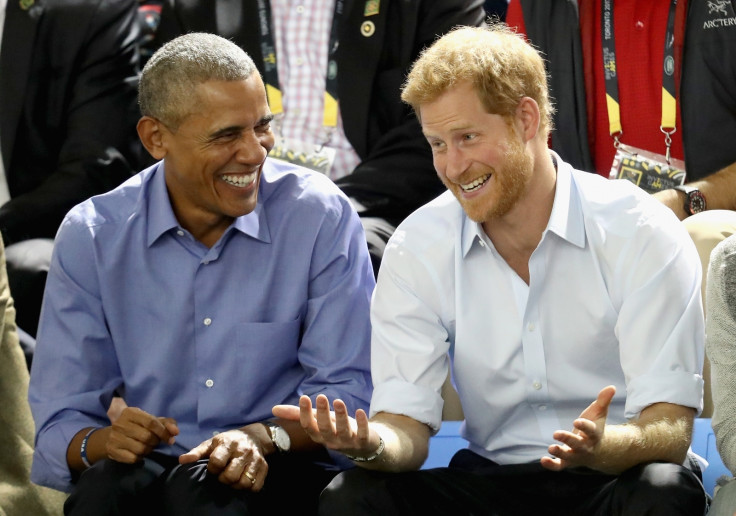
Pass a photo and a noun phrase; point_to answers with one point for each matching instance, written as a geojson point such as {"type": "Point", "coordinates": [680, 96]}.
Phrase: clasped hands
{"type": "Point", "coordinates": [237, 457]}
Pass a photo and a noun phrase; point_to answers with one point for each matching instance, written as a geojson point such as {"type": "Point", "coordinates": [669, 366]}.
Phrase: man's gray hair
{"type": "Point", "coordinates": [167, 86]}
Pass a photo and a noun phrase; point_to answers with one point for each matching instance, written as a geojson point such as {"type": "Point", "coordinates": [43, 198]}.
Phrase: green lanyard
{"type": "Point", "coordinates": [271, 74]}
{"type": "Point", "coordinates": [669, 103]}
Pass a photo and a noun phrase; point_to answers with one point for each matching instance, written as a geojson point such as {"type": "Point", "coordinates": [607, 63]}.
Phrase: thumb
{"type": "Point", "coordinates": [599, 408]}
{"type": "Point", "coordinates": [196, 453]}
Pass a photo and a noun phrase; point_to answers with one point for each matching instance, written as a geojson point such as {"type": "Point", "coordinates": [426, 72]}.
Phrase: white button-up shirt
{"type": "Point", "coordinates": [613, 298]}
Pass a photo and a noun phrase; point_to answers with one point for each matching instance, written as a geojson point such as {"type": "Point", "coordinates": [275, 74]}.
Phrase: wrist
{"type": "Point", "coordinates": [278, 437]}
{"type": "Point", "coordinates": [373, 456]}
{"type": "Point", "coordinates": [84, 448]}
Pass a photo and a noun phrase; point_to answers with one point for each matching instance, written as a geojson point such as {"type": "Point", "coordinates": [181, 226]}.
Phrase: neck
{"type": "Point", "coordinates": [517, 234]}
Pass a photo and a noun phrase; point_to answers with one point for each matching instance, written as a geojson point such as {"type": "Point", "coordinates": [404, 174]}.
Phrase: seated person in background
{"type": "Point", "coordinates": [67, 130]}
{"type": "Point", "coordinates": [720, 325]}
{"type": "Point", "coordinates": [17, 494]}
{"type": "Point", "coordinates": [206, 289]}
{"type": "Point", "coordinates": [545, 289]}
{"type": "Point", "coordinates": [333, 70]}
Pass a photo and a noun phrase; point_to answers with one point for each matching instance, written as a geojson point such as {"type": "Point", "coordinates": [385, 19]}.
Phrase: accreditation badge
{"type": "Point", "coordinates": [309, 155]}
{"type": "Point", "coordinates": [648, 170]}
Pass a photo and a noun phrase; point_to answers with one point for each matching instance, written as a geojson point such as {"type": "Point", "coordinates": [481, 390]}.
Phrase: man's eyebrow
{"type": "Point", "coordinates": [266, 119]}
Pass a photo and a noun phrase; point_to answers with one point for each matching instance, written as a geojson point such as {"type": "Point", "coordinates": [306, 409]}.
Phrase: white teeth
{"type": "Point", "coordinates": [475, 184]}
{"type": "Point", "coordinates": [243, 180]}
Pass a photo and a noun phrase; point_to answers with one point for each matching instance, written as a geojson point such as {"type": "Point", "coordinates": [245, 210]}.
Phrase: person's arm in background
{"type": "Point", "coordinates": [721, 346]}
{"type": "Point", "coordinates": [80, 139]}
{"type": "Point", "coordinates": [718, 188]}
{"type": "Point", "coordinates": [708, 103]}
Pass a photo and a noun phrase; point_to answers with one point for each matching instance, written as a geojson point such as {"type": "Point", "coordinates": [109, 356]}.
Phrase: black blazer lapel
{"type": "Point", "coordinates": [361, 43]}
{"type": "Point", "coordinates": [19, 37]}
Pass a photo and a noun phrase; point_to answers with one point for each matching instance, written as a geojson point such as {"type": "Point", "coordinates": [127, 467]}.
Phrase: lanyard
{"type": "Point", "coordinates": [271, 74]}
{"type": "Point", "coordinates": [669, 103]}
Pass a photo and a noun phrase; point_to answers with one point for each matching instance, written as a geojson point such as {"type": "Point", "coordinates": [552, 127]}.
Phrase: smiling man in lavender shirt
{"type": "Point", "coordinates": [203, 291]}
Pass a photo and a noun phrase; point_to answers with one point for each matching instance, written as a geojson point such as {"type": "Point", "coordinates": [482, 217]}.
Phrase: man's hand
{"type": "Point", "coordinates": [335, 430]}
{"type": "Point", "coordinates": [135, 433]}
{"type": "Point", "coordinates": [237, 457]}
{"type": "Point", "coordinates": [580, 447]}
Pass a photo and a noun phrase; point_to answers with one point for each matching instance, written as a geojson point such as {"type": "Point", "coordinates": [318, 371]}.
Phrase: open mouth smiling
{"type": "Point", "coordinates": [239, 180]}
{"type": "Point", "coordinates": [476, 184]}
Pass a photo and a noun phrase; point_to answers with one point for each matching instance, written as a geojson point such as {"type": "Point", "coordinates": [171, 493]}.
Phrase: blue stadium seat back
{"type": "Point", "coordinates": [444, 444]}
{"type": "Point", "coordinates": [704, 444]}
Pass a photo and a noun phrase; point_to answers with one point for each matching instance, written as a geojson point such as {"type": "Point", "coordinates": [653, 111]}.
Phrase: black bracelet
{"type": "Point", "coordinates": [379, 451]}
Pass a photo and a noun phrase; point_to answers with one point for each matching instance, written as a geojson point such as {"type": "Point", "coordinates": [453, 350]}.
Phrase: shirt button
{"type": "Point", "coordinates": [537, 386]}
{"type": "Point", "coordinates": [299, 61]}
{"type": "Point", "coordinates": [531, 326]}
{"type": "Point", "coordinates": [180, 232]}
{"type": "Point", "coordinates": [207, 321]}
{"type": "Point", "coordinates": [300, 9]}
{"type": "Point", "coordinates": [209, 382]}
{"type": "Point", "coordinates": [215, 432]}
{"type": "Point", "coordinates": [482, 243]}
{"type": "Point", "coordinates": [206, 262]}
{"type": "Point", "coordinates": [542, 407]}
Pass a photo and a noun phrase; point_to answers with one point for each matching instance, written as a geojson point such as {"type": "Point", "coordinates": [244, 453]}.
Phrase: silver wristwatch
{"type": "Point", "coordinates": [279, 437]}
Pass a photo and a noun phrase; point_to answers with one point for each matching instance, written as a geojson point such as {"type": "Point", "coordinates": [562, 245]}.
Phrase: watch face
{"type": "Point", "coordinates": [280, 438]}
{"type": "Point", "coordinates": [696, 202]}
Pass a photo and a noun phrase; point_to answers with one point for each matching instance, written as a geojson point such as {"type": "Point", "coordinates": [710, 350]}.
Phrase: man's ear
{"type": "Point", "coordinates": [150, 131]}
{"type": "Point", "coordinates": [528, 118]}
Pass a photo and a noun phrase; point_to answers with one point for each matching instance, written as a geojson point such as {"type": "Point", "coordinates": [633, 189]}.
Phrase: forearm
{"type": "Point", "coordinates": [719, 188]}
{"type": "Point", "coordinates": [664, 439]}
{"type": "Point", "coordinates": [406, 443]}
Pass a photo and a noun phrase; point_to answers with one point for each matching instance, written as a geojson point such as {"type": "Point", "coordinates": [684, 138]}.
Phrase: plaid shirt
{"type": "Point", "coordinates": [301, 31]}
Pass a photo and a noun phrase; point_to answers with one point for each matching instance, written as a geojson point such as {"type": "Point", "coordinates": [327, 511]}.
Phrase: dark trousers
{"type": "Point", "coordinates": [160, 486]}
{"type": "Point", "coordinates": [473, 485]}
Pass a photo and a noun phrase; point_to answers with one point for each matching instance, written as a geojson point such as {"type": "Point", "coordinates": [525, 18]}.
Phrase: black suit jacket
{"type": "Point", "coordinates": [396, 174]}
{"type": "Point", "coordinates": [68, 80]}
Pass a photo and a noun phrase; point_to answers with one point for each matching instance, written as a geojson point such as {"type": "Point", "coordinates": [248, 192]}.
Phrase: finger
{"type": "Point", "coordinates": [561, 452]}
{"type": "Point", "coordinates": [254, 477]}
{"type": "Point", "coordinates": [118, 442]}
{"type": "Point", "coordinates": [599, 408]}
{"type": "Point", "coordinates": [361, 418]}
{"type": "Point", "coordinates": [568, 438]}
{"type": "Point", "coordinates": [585, 427]}
{"type": "Point", "coordinates": [220, 457]}
{"type": "Point", "coordinates": [171, 427]}
{"type": "Point", "coordinates": [196, 453]}
{"type": "Point", "coordinates": [552, 464]}
{"type": "Point", "coordinates": [290, 412]}
{"type": "Point", "coordinates": [606, 396]}
{"type": "Point", "coordinates": [232, 474]}
{"type": "Point", "coordinates": [324, 416]}
{"type": "Point", "coordinates": [306, 416]}
{"type": "Point", "coordinates": [343, 427]}
{"type": "Point", "coordinates": [123, 455]}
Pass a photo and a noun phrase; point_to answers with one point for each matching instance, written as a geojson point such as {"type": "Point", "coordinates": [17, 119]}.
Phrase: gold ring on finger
{"type": "Point", "coordinates": [250, 477]}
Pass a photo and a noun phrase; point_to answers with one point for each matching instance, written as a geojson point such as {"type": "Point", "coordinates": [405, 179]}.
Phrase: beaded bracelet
{"type": "Point", "coordinates": [381, 446]}
{"type": "Point", "coordinates": [83, 450]}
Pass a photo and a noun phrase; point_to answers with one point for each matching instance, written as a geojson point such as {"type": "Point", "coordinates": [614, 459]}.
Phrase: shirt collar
{"type": "Point", "coordinates": [162, 219]}
{"type": "Point", "coordinates": [566, 218]}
